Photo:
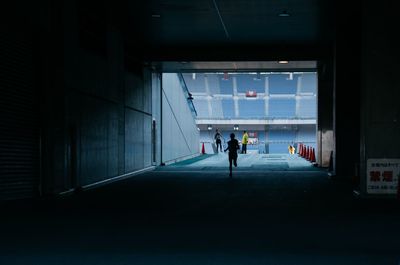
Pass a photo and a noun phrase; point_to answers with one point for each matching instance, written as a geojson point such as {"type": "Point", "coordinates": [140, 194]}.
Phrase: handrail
{"type": "Point", "coordinates": [190, 101]}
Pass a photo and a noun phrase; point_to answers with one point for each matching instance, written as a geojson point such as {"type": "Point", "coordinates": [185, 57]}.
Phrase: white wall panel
{"type": "Point", "coordinates": [180, 137]}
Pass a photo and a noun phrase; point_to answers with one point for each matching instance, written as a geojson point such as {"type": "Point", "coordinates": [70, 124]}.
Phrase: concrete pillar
{"type": "Point", "coordinates": [299, 82]}
{"type": "Point", "coordinates": [266, 96]}
{"type": "Point", "coordinates": [209, 105]}
{"type": "Point", "coordinates": [235, 97]}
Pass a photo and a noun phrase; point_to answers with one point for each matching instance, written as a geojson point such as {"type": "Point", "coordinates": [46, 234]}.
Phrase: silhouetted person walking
{"type": "Point", "coordinates": [218, 138]}
{"type": "Point", "coordinates": [245, 140]}
{"type": "Point", "coordinates": [233, 146]}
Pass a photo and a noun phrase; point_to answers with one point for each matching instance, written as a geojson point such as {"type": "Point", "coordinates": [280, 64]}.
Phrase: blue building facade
{"type": "Point", "coordinates": [284, 102]}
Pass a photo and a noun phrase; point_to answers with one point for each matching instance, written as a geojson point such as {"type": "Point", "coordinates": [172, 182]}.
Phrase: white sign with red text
{"type": "Point", "coordinates": [383, 176]}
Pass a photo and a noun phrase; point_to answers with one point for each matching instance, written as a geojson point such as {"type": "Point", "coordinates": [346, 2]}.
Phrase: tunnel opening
{"type": "Point", "coordinates": [275, 103]}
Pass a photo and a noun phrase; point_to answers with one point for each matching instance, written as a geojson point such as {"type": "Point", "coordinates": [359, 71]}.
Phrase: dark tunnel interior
{"type": "Point", "coordinates": [108, 111]}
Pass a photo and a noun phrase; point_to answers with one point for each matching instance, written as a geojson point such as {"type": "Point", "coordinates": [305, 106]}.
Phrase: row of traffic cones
{"type": "Point", "coordinates": [307, 152]}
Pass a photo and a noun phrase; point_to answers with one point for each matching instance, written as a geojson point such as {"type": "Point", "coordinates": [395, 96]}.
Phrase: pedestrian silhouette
{"type": "Point", "coordinates": [233, 147]}
{"type": "Point", "coordinates": [218, 138]}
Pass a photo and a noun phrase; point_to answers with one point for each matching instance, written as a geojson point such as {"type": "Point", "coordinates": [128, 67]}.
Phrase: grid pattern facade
{"type": "Point", "coordinates": [278, 95]}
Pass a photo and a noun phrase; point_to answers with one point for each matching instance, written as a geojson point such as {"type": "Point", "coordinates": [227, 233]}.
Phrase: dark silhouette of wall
{"type": "Point", "coordinates": [347, 88]}
{"type": "Point", "coordinates": [97, 107]}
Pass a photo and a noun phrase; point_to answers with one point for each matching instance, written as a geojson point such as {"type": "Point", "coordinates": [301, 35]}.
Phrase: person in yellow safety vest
{"type": "Point", "coordinates": [245, 139]}
{"type": "Point", "coordinates": [291, 149]}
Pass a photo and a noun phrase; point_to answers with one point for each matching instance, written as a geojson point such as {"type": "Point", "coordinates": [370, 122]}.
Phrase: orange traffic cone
{"type": "Point", "coordinates": [308, 153]}
{"type": "Point", "coordinates": [313, 156]}
{"type": "Point", "coordinates": [203, 150]}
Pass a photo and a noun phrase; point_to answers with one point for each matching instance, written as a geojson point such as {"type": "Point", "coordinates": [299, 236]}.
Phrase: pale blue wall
{"type": "Point", "coordinates": [180, 136]}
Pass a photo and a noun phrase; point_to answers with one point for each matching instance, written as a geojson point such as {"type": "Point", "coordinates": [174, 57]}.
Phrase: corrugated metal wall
{"type": "Point", "coordinates": [19, 118]}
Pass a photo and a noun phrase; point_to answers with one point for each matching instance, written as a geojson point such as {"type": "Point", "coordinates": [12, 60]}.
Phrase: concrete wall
{"type": "Point", "coordinates": [180, 136]}
{"type": "Point", "coordinates": [325, 136]}
{"type": "Point", "coordinates": [156, 111]}
{"type": "Point", "coordinates": [98, 104]}
{"type": "Point", "coordinates": [346, 90]}
{"type": "Point", "coordinates": [380, 108]}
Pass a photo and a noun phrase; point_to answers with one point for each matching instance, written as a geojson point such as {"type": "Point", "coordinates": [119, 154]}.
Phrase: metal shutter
{"type": "Point", "coordinates": [19, 118]}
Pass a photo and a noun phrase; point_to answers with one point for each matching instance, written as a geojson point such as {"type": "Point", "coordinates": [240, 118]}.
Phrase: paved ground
{"type": "Point", "coordinates": [190, 214]}
{"type": "Point", "coordinates": [246, 162]}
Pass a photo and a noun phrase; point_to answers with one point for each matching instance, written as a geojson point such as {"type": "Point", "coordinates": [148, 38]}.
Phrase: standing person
{"type": "Point", "coordinates": [245, 140]}
{"type": "Point", "coordinates": [218, 138]}
{"type": "Point", "coordinates": [233, 146]}
{"type": "Point", "coordinates": [293, 149]}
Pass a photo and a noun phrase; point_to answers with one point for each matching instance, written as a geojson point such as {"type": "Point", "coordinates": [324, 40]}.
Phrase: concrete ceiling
{"type": "Point", "coordinates": [233, 25]}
